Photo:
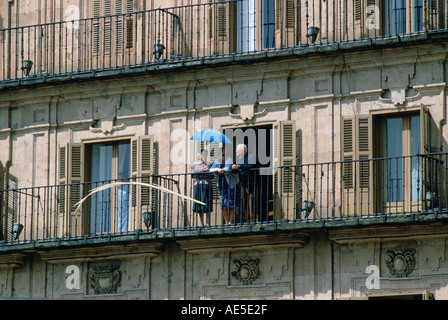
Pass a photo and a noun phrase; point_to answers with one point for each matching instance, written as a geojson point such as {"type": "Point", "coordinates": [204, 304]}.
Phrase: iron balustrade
{"type": "Point", "coordinates": [176, 34]}
{"type": "Point", "coordinates": [333, 191]}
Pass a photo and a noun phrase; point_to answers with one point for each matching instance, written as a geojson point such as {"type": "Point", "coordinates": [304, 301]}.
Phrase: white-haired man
{"type": "Point", "coordinates": [245, 163]}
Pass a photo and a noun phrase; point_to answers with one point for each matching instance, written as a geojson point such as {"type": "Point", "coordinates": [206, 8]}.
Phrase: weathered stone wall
{"type": "Point", "coordinates": [317, 265]}
{"type": "Point", "coordinates": [314, 91]}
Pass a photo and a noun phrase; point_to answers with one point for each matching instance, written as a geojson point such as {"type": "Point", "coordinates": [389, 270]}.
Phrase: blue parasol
{"type": "Point", "coordinates": [211, 135]}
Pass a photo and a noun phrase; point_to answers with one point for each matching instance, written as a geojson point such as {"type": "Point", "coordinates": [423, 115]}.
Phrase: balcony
{"type": "Point", "coordinates": [191, 35]}
{"type": "Point", "coordinates": [301, 197]}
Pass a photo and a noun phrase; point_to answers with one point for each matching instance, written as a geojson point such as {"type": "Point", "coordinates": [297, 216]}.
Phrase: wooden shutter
{"type": "Point", "coordinates": [129, 24]}
{"type": "Point", "coordinates": [71, 190]}
{"type": "Point", "coordinates": [96, 27]}
{"type": "Point", "coordinates": [118, 25]}
{"type": "Point", "coordinates": [123, 24]}
{"type": "Point", "coordinates": [348, 155]}
{"type": "Point", "coordinates": [429, 164]}
{"type": "Point", "coordinates": [221, 24]}
{"type": "Point", "coordinates": [287, 14]}
{"type": "Point", "coordinates": [113, 27]}
{"type": "Point", "coordinates": [284, 149]}
{"type": "Point", "coordinates": [434, 18]}
{"type": "Point", "coordinates": [142, 169]}
{"type": "Point", "coordinates": [365, 12]}
{"type": "Point", "coordinates": [357, 167]}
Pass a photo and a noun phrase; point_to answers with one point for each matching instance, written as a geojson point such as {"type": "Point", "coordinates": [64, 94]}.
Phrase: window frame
{"type": "Point", "coordinates": [363, 183]}
{"type": "Point", "coordinates": [73, 187]}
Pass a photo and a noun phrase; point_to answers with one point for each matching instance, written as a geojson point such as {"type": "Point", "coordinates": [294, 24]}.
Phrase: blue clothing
{"type": "Point", "coordinates": [227, 184]}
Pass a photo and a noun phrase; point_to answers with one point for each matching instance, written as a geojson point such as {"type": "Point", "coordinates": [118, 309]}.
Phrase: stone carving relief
{"type": "Point", "coordinates": [246, 270]}
{"type": "Point", "coordinates": [400, 262]}
{"type": "Point", "coordinates": [396, 83]}
{"type": "Point", "coordinates": [105, 279]}
{"type": "Point", "coordinates": [247, 112]}
{"type": "Point", "coordinates": [107, 126]}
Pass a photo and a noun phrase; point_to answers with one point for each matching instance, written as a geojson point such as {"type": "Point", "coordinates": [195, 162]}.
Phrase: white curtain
{"type": "Point", "coordinates": [123, 192]}
{"type": "Point", "coordinates": [100, 203]}
{"type": "Point", "coordinates": [246, 25]}
{"type": "Point", "coordinates": [416, 162]}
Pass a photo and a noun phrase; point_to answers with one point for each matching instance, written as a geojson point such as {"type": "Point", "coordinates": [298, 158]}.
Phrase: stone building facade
{"type": "Point", "coordinates": [353, 121]}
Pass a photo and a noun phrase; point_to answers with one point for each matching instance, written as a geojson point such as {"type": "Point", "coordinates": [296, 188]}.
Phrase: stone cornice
{"type": "Point", "coordinates": [83, 254]}
{"type": "Point", "coordinates": [251, 242]}
{"type": "Point", "coordinates": [11, 261]}
{"type": "Point", "coordinates": [388, 233]}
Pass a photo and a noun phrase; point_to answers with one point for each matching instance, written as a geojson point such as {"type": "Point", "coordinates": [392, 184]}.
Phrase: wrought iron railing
{"type": "Point", "coordinates": [334, 191]}
{"type": "Point", "coordinates": [176, 34]}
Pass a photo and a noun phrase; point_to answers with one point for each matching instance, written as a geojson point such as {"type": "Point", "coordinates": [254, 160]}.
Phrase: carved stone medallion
{"type": "Point", "coordinates": [105, 279]}
{"type": "Point", "coordinates": [400, 262]}
{"type": "Point", "coordinates": [246, 270]}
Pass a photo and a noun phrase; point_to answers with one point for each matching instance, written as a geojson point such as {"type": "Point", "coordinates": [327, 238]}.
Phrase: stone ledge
{"type": "Point", "coordinates": [83, 254]}
{"type": "Point", "coordinates": [226, 59]}
{"type": "Point", "coordinates": [11, 261]}
{"type": "Point", "coordinates": [388, 232]}
{"type": "Point", "coordinates": [258, 232]}
{"type": "Point", "coordinates": [260, 242]}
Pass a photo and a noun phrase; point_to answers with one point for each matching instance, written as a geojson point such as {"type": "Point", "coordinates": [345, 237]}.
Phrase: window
{"type": "Point", "coordinates": [250, 25]}
{"type": "Point", "coordinates": [398, 17]}
{"type": "Point", "coordinates": [109, 161]}
{"type": "Point", "coordinates": [396, 180]}
{"type": "Point", "coordinates": [85, 166]}
{"type": "Point", "coordinates": [246, 28]}
{"type": "Point", "coordinates": [113, 25]}
{"type": "Point", "coordinates": [278, 192]}
{"type": "Point", "coordinates": [400, 137]}
{"type": "Point", "coordinates": [395, 17]}
{"type": "Point", "coordinates": [401, 141]}
{"type": "Point", "coordinates": [268, 21]}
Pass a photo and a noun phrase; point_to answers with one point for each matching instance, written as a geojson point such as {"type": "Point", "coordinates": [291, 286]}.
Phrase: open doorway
{"type": "Point", "coordinates": [258, 139]}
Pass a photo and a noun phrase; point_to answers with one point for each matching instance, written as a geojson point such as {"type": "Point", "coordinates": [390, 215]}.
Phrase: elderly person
{"type": "Point", "coordinates": [202, 188]}
{"type": "Point", "coordinates": [247, 176]}
{"type": "Point", "coordinates": [227, 182]}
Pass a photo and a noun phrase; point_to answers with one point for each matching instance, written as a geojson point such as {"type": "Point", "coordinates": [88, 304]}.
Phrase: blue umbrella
{"type": "Point", "coordinates": [211, 136]}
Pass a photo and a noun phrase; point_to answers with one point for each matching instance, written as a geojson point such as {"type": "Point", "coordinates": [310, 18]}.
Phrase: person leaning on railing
{"type": "Point", "coordinates": [246, 162]}
{"type": "Point", "coordinates": [202, 189]}
{"type": "Point", "coordinates": [227, 181]}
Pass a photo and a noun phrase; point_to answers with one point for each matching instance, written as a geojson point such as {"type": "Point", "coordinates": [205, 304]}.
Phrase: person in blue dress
{"type": "Point", "coordinates": [227, 184]}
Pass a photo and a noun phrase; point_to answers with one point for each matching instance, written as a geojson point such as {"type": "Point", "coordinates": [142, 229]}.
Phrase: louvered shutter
{"type": "Point", "coordinates": [434, 15]}
{"type": "Point", "coordinates": [96, 26]}
{"type": "Point", "coordinates": [118, 23]}
{"type": "Point", "coordinates": [112, 28]}
{"type": "Point", "coordinates": [356, 168]}
{"type": "Point", "coordinates": [287, 13]}
{"type": "Point", "coordinates": [71, 191]}
{"type": "Point", "coordinates": [367, 18]}
{"type": "Point", "coordinates": [364, 166]}
{"type": "Point", "coordinates": [129, 24]}
{"type": "Point", "coordinates": [284, 149]}
{"type": "Point", "coordinates": [221, 24]}
{"type": "Point", "coordinates": [142, 166]}
{"type": "Point", "coordinates": [124, 24]}
{"type": "Point", "coordinates": [348, 156]}
{"type": "Point", "coordinates": [107, 27]}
